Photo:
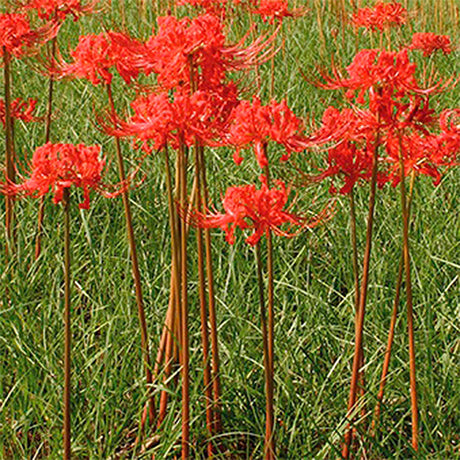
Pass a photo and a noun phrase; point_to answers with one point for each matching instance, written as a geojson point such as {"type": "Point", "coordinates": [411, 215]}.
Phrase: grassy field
{"type": "Point", "coordinates": [313, 285]}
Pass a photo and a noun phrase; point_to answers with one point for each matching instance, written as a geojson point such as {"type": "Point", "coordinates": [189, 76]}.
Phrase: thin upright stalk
{"type": "Point", "coordinates": [203, 306]}
{"type": "Point", "coordinates": [184, 309]}
{"type": "Point", "coordinates": [269, 448]}
{"type": "Point", "coordinates": [9, 152]}
{"type": "Point", "coordinates": [49, 112]}
{"type": "Point", "coordinates": [271, 318]}
{"type": "Point", "coordinates": [391, 332]}
{"type": "Point", "coordinates": [67, 325]}
{"type": "Point", "coordinates": [356, 281]}
{"type": "Point", "coordinates": [410, 314]}
{"type": "Point", "coordinates": [362, 300]}
{"type": "Point", "coordinates": [134, 263]}
{"type": "Point", "coordinates": [211, 305]}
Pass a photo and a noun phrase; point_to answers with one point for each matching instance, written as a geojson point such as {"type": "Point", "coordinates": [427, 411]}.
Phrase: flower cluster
{"type": "Point", "coordinates": [249, 208]}
{"type": "Point", "coordinates": [20, 110]}
{"type": "Point", "coordinates": [254, 125]}
{"type": "Point", "coordinates": [276, 10]}
{"type": "Point", "coordinates": [60, 9]}
{"type": "Point", "coordinates": [56, 167]}
{"type": "Point", "coordinates": [17, 37]}
{"type": "Point", "coordinates": [429, 43]}
{"type": "Point", "coordinates": [381, 16]}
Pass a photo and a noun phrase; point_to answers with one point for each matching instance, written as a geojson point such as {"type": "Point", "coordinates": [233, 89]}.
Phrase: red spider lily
{"type": "Point", "coordinates": [196, 45]}
{"type": "Point", "coordinates": [276, 10]}
{"type": "Point", "coordinates": [60, 9]}
{"type": "Point", "coordinates": [20, 110]}
{"type": "Point", "coordinates": [56, 167]}
{"type": "Point", "coordinates": [255, 125]}
{"type": "Point", "coordinates": [95, 55]}
{"type": "Point", "coordinates": [349, 162]}
{"type": "Point", "coordinates": [160, 119]}
{"type": "Point", "coordinates": [429, 43]}
{"type": "Point", "coordinates": [381, 16]}
{"type": "Point", "coordinates": [250, 208]}
{"type": "Point", "coordinates": [17, 37]}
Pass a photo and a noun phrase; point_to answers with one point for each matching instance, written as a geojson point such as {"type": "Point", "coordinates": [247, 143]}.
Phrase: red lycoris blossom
{"type": "Point", "coordinates": [161, 119]}
{"type": "Point", "coordinates": [60, 9]}
{"type": "Point", "coordinates": [350, 163]}
{"type": "Point", "coordinates": [56, 167]}
{"type": "Point", "coordinates": [20, 110]}
{"type": "Point", "coordinates": [276, 10]}
{"type": "Point", "coordinates": [429, 42]}
{"type": "Point", "coordinates": [380, 16]}
{"type": "Point", "coordinates": [254, 209]}
{"type": "Point", "coordinates": [96, 55]}
{"type": "Point", "coordinates": [183, 46]}
{"type": "Point", "coordinates": [254, 125]}
{"type": "Point", "coordinates": [16, 35]}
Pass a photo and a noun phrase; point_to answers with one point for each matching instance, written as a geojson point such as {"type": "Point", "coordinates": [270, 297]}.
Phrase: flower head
{"type": "Point", "coordinates": [17, 37]}
{"type": "Point", "coordinates": [254, 125]}
{"type": "Point", "coordinates": [276, 10]}
{"type": "Point", "coordinates": [381, 16]}
{"type": "Point", "coordinates": [60, 9]}
{"type": "Point", "coordinates": [96, 55]}
{"type": "Point", "coordinates": [429, 43]}
{"type": "Point", "coordinates": [249, 208]}
{"type": "Point", "coordinates": [56, 167]}
{"type": "Point", "coordinates": [20, 110]}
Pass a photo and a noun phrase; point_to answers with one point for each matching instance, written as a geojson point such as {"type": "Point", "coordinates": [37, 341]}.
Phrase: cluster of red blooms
{"type": "Point", "coordinates": [60, 9]}
{"type": "Point", "coordinates": [210, 6]}
{"type": "Point", "coordinates": [56, 167]}
{"type": "Point", "coordinates": [276, 10]}
{"type": "Point", "coordinates": [247, 207]}
{"type": "Point", "coordinates": [254, 125]}
{"type": "Point", "coordinates": [20, 110]}
{"type": "Point", "coordinates": [380, 16]}
{"type": "Point", "coordinates": [428, 43]}
{"type": "Point", "coordinates": [397, 120]}
{"type": "Point", "coordinates": [17, 36]}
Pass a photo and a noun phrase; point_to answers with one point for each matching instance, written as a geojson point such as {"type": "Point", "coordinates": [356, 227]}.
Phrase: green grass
{"type": "Point", "coordinates": [313, 294]}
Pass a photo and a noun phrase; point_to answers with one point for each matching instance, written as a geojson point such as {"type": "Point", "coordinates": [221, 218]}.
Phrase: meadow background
{"type": "Point", "coordinates": [313, 281]}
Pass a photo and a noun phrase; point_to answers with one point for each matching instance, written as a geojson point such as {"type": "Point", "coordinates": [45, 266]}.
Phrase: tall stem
{"type": "Point", "coordinates": [271, 319]}
{"type": "Point", "coordinates": [203, 306]}
{"type": "Point", "coordinates": [49, 111]}
{"type": "Point", "coordinates": [354, 245]}
{"type": "Point", "coordinates": [391, 332]}
{"type": "Point", "coordinates": [134, 263]}
{"type": "Point", "coordinates": [212, 305]}
{"type": "Point", "coordinates": [362, 299]}
{"type": "Point", "coordinates": [184, 309]}
{"type": "Point", "coordinates": [67, 324]}
{"type": "Point", "coordinates": [410, 315]}
{"type": "Point", "coordinates": [10, 172]}
{"type": "Point", "coordinates": [269, 448]}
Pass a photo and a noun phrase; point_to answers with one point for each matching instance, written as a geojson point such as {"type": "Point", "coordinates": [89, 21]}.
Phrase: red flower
{"type": "Point", "coordinates": [255, 125]}
{"type": "Point", "coordinates": [16, 35]}
{"type": "Point", "coordinates": [381, 16]}
{"type": "Point", "coordinates": [429, 42]}
{"type": "Point", "coordinates": [95, 55]}
{"type": "Point", "coordinates": [250, 208]}
{"type": "Point", "coordinates": [196, 45]}
{"type": "Point", "coordinates": [20, 110]}
{"type": "Point", "coordinates": [56, 167]}
{"type": "Point", "coordinates": [210, 6]}
{"type": "Point", "coordinates": [60, 9]}
{"type": "Point", "coordinates": [182, 119]}
{"type": "Point", "coordinates": [272, 10]}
